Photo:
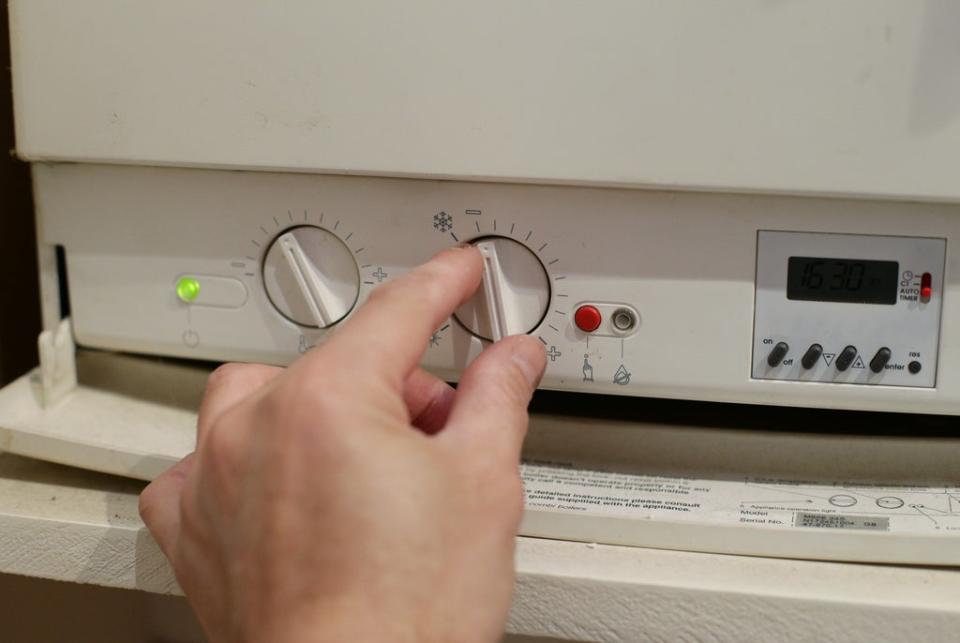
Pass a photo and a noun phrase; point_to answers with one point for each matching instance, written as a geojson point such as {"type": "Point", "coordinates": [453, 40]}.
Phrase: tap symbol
{"type": "Point", "coordinates": [587, 369]}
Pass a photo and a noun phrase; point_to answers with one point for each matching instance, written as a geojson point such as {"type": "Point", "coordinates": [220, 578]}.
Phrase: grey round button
{"type": "Point", "coordinates": [624, 320]}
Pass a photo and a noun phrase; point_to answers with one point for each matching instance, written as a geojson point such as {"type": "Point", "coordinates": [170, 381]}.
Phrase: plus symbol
{"type": "Point", "coordinates": [380, 274]}
{"type": "Point", "coordinates": [553, 353]}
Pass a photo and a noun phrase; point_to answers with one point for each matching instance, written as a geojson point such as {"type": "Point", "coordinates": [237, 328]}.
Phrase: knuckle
{"type": "Point", "coordinates": [225, 374]}
{"type": "Point", "coordinates": [220, 469]}
{"type": "Point", "coordinates": [147, 503]}
{"type": "Point", "coordinates": [221, 447]}
{"type": "Point", "coordinates": [302, 417]}
{"type": "Point", "coordinates": [298, 402]}
{"type": "Point", "coordinates": [234, 374]}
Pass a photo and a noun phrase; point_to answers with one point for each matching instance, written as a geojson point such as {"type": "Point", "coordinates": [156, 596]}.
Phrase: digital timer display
{"type": "Point", "coordinates": [853, 281]}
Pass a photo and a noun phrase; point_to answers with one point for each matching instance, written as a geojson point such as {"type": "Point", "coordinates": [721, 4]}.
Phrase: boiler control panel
{"type": "Point", "coordinates": [848, 308]}
{"type": "Point", "coordinates": [744, 298]}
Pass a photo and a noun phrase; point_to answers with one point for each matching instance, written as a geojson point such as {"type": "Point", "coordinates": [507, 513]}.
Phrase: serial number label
{"type": "Point", "coordinates": [841, 521]}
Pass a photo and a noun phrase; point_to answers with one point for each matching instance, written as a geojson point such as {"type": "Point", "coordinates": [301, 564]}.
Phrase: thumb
{"type": "Point", "coordinates": [489, 414]}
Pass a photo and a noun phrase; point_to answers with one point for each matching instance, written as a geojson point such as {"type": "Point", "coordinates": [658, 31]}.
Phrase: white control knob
{"type": "Point", "coordinates": [311, 277]}
{"type": "Point", "coordinates": [514, 294]}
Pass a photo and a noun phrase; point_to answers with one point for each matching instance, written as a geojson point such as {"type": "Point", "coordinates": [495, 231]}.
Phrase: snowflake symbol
{"type": "Point", "coordinates": [442, 222]}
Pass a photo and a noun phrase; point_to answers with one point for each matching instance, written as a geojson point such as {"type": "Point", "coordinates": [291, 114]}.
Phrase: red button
{"type": "Point", "coordinates": [926, 285]}
{"type": "Point", "coordinates": [587, 318]}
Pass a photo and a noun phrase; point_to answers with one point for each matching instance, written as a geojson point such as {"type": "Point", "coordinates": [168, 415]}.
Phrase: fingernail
{"type": "Point", "coordinates": [529, 356]}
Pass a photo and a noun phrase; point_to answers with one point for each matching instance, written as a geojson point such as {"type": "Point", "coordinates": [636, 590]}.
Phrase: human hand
{"type": "Point", "coordinates": [377, 506]}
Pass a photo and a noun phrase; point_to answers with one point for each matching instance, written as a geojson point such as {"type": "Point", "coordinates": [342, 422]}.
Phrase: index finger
{"type": "Point", "coordinates": [389, 332]}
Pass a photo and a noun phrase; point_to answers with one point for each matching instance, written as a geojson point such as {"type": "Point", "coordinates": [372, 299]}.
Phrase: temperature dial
{"type": "Point", "coordinates": [311, 277]}
{"type": "Point", "coordinates": [514, 294]}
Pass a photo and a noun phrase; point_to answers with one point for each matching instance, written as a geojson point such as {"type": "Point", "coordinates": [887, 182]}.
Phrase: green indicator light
{"type": "Point", "coordinates": [187, 289]}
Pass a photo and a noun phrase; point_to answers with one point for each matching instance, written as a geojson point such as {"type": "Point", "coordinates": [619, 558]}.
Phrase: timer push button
{"type": "Point", "coordinates": [777, 354]}
{"type": "Point", "coordinates": [846, 357]}
{"type": "Point", "coordinates": [587, 318]}
{"type": "Point", "coordinates": [880, 360]}
{"type": "Point", "coordinates": [810, 358]}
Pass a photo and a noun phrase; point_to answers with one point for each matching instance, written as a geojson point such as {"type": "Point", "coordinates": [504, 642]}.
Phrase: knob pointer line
{"type": "Point", "coordinates": [314, 290]}
{"type": "Point", "coordinates": [514, 291]}
{"type": "Point", "coordinates": [493, 290]}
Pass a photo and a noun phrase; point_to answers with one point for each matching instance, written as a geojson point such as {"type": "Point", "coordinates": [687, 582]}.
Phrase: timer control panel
{"type": "Point", "coordinates": [848, 308]}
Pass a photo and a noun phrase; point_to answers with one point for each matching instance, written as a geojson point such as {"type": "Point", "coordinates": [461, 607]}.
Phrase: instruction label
{"type": "Point", "coordinates": [763, 502]}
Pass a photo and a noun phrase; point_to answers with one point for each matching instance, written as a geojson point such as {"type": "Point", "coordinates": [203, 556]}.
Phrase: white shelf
{"type": "Point", "coordinates": [134, 416]}
{"type": "Point", "coordinates": [73, 525]}
{"type": "Point", "coordinates": [130, 416]}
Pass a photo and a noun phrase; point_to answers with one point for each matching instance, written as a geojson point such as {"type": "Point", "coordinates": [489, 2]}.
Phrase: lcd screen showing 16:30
{"type": "Point", "coordinates": [853, 281]}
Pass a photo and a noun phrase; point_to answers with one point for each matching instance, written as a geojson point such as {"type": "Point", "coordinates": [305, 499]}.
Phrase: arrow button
{"type": "Point", "coordinates": [810, 358]}
{"type": "Point", "coordinates": [846, 357]}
